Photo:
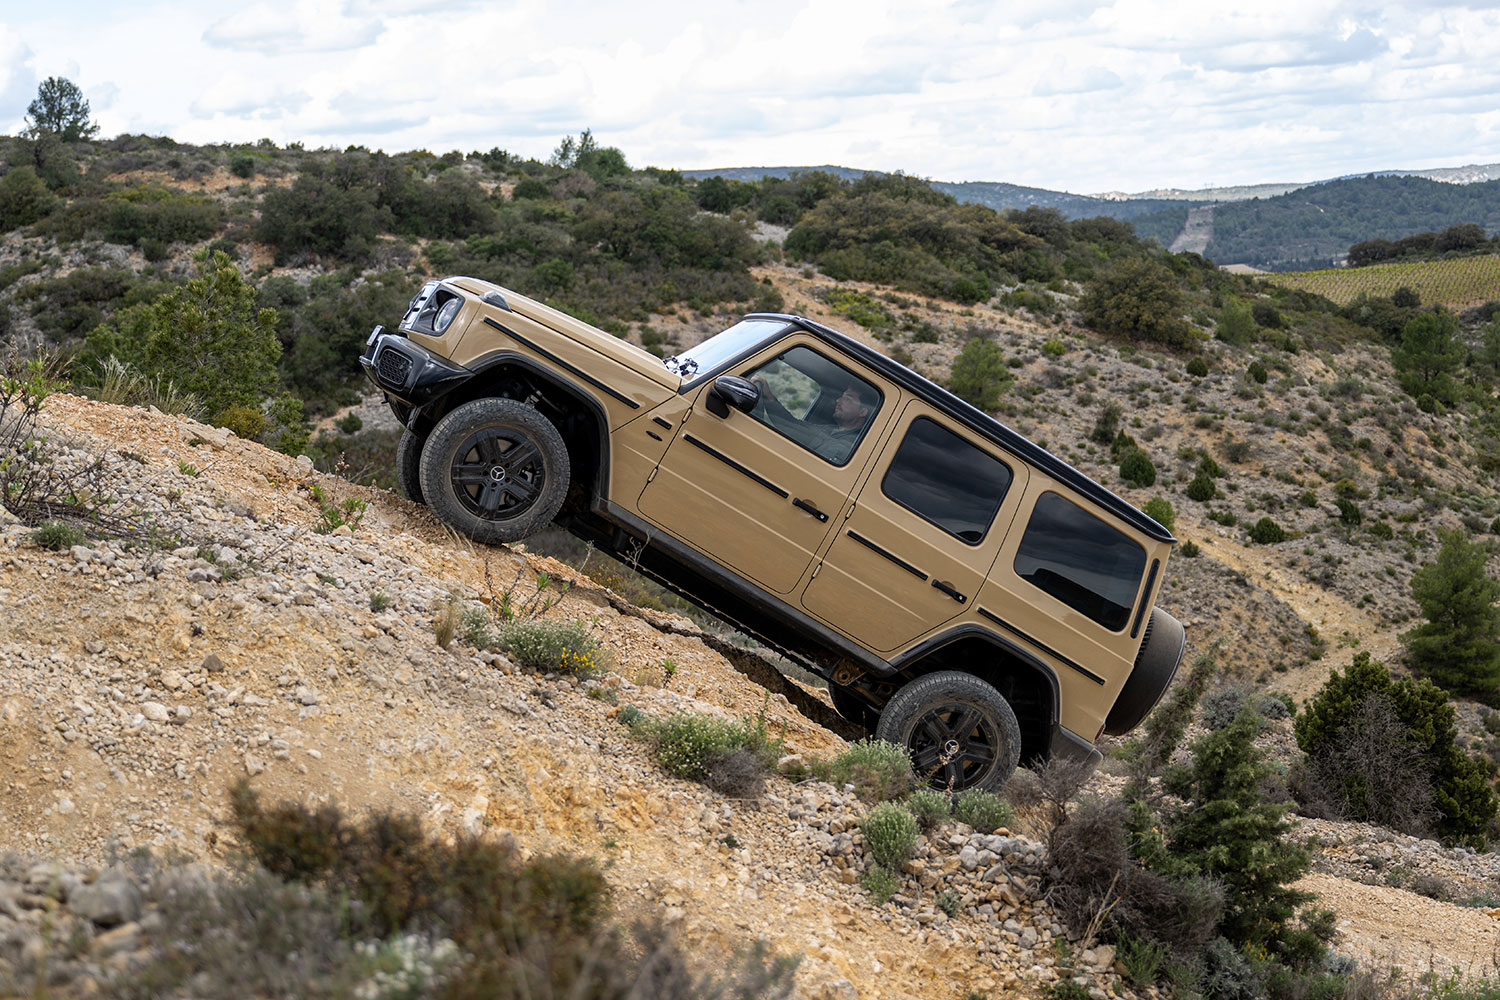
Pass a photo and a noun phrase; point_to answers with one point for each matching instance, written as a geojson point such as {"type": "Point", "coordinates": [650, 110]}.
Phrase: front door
{"type": "Point", "coordinates": [923, 532]}
{"type": "Point", "coordinates": [759, 491]}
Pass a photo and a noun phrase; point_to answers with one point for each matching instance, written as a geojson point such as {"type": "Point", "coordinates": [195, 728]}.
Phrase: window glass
{"type": "Point", "coordinates": [1081, 561]}
{"type": "Point", "coordinates": [719, 348]}
{"type": "Point", "coordinates": [819, 404]}
{"type": "Point", "coordinates": [946, 480]}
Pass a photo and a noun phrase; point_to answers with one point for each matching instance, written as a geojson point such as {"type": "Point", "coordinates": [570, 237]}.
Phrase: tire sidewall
{"type": "Point", "coordinates": [515, 419]}
{"type": "Point", "coordinates": [408, 465]}
{"type": "Point", "coordinates": [905, 710]}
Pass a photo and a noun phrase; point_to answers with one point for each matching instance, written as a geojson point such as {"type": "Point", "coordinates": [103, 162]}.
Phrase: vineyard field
{"type": "Point", "coordinates": [1457, 283]}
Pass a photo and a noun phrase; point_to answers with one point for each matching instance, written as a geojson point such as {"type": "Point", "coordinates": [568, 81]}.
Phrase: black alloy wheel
{"type": "Point", "coordinates": [495, 470]}
{"type": "Point", "coordinates": [960, 731]}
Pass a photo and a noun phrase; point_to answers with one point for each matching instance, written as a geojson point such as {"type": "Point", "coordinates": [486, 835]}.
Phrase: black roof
{"type": "Point", "coordinates": [981, 423]}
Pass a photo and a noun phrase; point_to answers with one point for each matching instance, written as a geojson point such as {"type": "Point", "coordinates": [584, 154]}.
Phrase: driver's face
{"type": "Point", "coordinates": [848, 406]}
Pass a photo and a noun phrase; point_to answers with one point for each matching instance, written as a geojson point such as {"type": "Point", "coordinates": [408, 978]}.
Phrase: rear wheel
{"type": "Point", "coordinates": [495, 470]}
{"type": "Point", "coordinates": [408, 465]}
{"type": "Point", "coordinates": [961, 732]}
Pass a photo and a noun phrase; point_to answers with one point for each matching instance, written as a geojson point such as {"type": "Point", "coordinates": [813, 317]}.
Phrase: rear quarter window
{"type": "Point", "coordinates": [1072, 555]}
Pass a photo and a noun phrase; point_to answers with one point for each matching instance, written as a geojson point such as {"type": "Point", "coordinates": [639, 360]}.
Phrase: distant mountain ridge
{"type": "Point", "coordinates": [1276, 226]}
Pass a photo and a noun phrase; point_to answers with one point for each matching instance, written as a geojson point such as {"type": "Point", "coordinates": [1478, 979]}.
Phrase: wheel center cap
{"type": "Point", "coordinates": [497, 474]}
{"type": "Point", "coordinates": [951, 748]}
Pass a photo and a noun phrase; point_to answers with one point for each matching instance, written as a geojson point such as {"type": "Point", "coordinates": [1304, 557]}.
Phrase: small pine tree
{"type": "Point", "coordinates": [979, 374]}
{"type": "Point", "coordinates": [59, 109]}
{"type": "Point", "coordinates": [1457, 647]}
{"type": "Point", "coordinates": [1229, 833]}
{"type": "Point", "coordinates": [1201, 488]}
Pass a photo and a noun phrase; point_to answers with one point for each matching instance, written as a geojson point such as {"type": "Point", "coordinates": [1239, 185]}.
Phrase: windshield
{"type": "Point", "coordinates": [719, 348]}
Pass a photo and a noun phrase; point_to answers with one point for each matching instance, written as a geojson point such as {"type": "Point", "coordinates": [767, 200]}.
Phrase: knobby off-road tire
{"type": "Point", "coordinates": [495, 470]}
{"type": "Point", "coordinates": [961, 732]}
{"type": "Point", "coordinates": [408, 465]}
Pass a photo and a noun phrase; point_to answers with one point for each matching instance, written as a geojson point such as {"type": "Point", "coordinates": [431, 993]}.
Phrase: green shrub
{"type": "Point", "coordinates": [1197, 367]}
{"type": "Point", "coordinates": [1106, 424]}
{"type": "Point", "coordinates": [949, 901]}
{"type": "Point", "coordinates": [349, 423]}
{"type": "Point", "coordinates": [1349, 512]}
{"type": "Point", "coordinates": [1160, 509]}
{"type": "Point", "coordinates": [552, 646]}
{"type": "Point", "coordinates": [522, 928]}
{"type": "Point", "coordinates": [1382, 531]}
{"type": "Point", "coordinates": [1053, 347]}
{"type": "Point", "coordinates": [732, 758]}
{"type": "Point", "coordinates": [1257, 373]}
{"type": "Point", "coordinates": [984, 811]}
{"type": "Point", "coordinates": [1267, 532]}
{"type": "Point", "coordinates": [930, 806]}
{"type": "Point", "coordinates": [56, 535]}
{"type": "Point", "coordinates": [891, 834]}
{"type": "Point", "coordinates": [880, 884]}
{"type": "Point", "coordinates": [1201, 488]}
{"type": "Point", "coordinates": [879, 771]}
{"type": "Point", "coordinates": [1136, 468]}
{"type": "Point", "coordinates": [1189, 550]}
{"type": "Point", "coordinates": [1375, 743]}
{"type": "Point", "coordinates": [247, 422]}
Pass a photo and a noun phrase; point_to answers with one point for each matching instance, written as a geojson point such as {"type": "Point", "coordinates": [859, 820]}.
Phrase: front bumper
{"type": "Point", "coordinates": [408, 374]}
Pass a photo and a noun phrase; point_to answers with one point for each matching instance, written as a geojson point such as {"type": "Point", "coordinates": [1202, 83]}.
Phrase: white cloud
{"type": "Point", "coordinates": [305, 26]}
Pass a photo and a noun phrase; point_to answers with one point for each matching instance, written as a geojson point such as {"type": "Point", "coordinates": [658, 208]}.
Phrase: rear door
{"type": "Point", "coordinates": [760, 491]}
{"type": "Point", "coordinates": [919, 539]}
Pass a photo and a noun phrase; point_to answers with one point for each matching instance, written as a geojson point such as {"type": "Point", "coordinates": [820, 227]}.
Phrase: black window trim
{"type": "Point", "coordinates": [898, 503]}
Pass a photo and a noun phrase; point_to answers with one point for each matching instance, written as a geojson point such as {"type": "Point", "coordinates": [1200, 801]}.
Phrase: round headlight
{"type": "Point", "coordinates": [446, 315]}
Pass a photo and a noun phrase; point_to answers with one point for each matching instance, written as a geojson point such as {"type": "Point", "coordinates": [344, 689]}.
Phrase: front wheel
{"type": "Point", "coordinates": [961, 732]}
{"type": "Point", "coordinates": [408, 465]}
{"type": "Point", "coordinates": [495, 470]}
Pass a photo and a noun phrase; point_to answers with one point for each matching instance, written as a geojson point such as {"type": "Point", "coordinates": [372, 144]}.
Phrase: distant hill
{"type": "Point", "coordinates": [1314, 226]}
{"type": "Point", "coordinates": [993, 194]}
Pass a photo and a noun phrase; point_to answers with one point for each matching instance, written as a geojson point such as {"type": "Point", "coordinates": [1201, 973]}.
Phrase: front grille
{"type": "Point", "coordinates": [393, 367]}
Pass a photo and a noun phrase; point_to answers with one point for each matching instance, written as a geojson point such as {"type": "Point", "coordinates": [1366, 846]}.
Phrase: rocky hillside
{"type": "Point", "coordinates": [141, 676]}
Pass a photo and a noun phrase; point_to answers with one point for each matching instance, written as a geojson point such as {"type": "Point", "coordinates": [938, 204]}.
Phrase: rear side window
{"type": "Point", "coordinates": [944, 479]}
{"type": "Point", "coordinates": [1081, 561]}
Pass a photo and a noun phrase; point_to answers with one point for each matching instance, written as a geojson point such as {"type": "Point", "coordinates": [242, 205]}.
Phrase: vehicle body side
{"type": "Point", "coordinates": [825, 562]}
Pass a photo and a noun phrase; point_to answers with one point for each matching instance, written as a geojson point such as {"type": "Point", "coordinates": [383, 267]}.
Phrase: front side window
{"type": "Point", "coordinates": [946, 480]}
{"type": "Point", "coordinates": [819, 404]}
{"type": "Point", "coordinates": [719, 348]}
{"type": "Point", "coordinates": [1083, 562]}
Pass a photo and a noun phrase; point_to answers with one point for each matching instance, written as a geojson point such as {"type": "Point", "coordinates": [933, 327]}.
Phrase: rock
{"type": "Point", "coordinates": [126, 937]}
{"type": "Point", "coordinates": [969, 858]}
{"type": "Point", "coordinates": [304, 466]}
{"type": "Point", "coordinates": [110, 901]}
{"type": "Point", "coordinates": [253, 765]}
{"type": "Point", "coordinates": [212, 664]}
{"type": "Point", "coordinates": [155, 711]}
{"type": "Point", "coordinates": [791, 762]}
{"type": "Point", "coordinates": [51, 879]}
{"type": "Point", "coordinates": [306, 696]}
{"type": "Point", "coordinates": [1104, 957]}
{"type": "Point", "coordinates": [94, 646]}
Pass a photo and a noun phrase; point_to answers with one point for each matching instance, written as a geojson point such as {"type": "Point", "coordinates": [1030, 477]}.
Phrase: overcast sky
{"type": "Point", "coordinates": [1061, 94]}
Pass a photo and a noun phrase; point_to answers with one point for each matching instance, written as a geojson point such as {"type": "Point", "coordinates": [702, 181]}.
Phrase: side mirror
{"type": "Point", "coordinates": [731, 390]}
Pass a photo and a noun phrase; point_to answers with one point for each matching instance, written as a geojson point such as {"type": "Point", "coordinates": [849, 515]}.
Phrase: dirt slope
{"type": "Point", "coordinates": [138, 681]}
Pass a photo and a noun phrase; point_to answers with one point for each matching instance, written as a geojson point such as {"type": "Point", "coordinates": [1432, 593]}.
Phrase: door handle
{"type": "Point", "coordinates": [948, 589]}
{"type": "Point", "coordinates": [802, 504]}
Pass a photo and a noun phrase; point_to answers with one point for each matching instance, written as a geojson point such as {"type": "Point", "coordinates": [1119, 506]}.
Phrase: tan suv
{"type": "Point", "coordinates": [965, 592]}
